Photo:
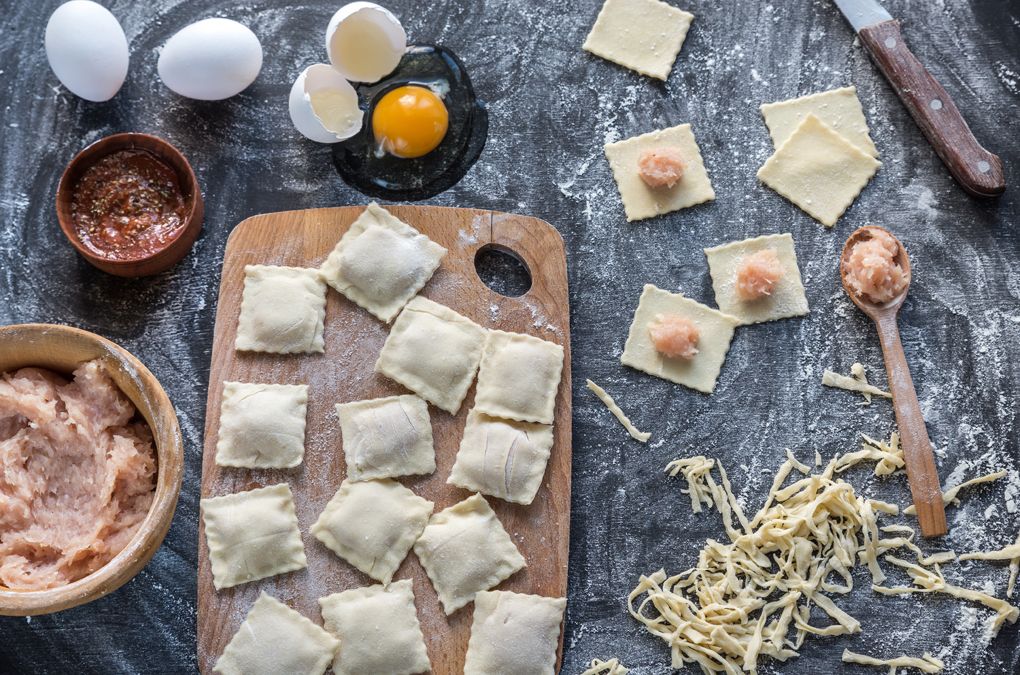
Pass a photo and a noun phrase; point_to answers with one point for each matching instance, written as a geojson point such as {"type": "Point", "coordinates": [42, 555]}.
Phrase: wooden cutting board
{"type": "Point", "coordinates": [345, 373]}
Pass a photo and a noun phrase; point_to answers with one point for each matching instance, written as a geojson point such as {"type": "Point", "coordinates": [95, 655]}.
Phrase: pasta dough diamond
{"type": "Point", "coordinates": [381, 262]}
{"type": "Point", "coordinates": [839, 109]}
{"type": "Point", "coordinates": [276, 639]}
{"type": "Point", "coordinates": [378, 630]}
{"type": "Point", "coordinates": [502, 458]}
{"type": "Point", "coordinates": [700, 372]}
{"type": "Point", "coordinates": [518, 377]}
{"type": "Point", "coordinates": [252, 535]}
{"type": "Point", "coordinates": [387, 437]}
{"type": "Point", "coordinates": [818, 170]}
{"type": "Point", "coordinates": [282, 310]}
{"type": "Point", "coordinates": [643, 35]}
{"type": "Point", "coordinates": [262, 426]}
{"type": "Point", "coordinates": [433, 351]}
{"type": "Point", "coordinates": [514, 633]}
{"type": "Point", "coordinates": [786, 298]}
{"type": "Point", "coordinates": [372, 525]}
{"type": "Point", "coordinates": [464, 549]}
{"type": "Point", "coordinates": [641, 201]}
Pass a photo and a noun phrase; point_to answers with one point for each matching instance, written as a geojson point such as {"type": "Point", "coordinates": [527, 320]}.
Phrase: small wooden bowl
{"type": "Point", "coordinates": [62, 349]}
{"type": "Point", "coordinates": [178, 247]}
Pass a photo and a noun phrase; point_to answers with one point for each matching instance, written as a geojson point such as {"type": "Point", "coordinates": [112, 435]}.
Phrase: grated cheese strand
{"type": "Point", "coordinates": [610, 667]}
{"type": "Point", "coordinates": [949, 496]}
{"type": "Point", "coordinates": [926, 664]}
{"type": "Point", "coordinates": [860, 385]}
{"type": "Point", "coordinates": [603, 396]}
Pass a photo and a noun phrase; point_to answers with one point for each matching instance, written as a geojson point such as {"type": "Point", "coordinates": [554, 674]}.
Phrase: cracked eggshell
{"type": "Point", "coordinates": [210, 60]}
{"type": "Point", "coordinates": [324, 106]}
{"type": "Point", "coordinates": [365, 42]}
{"type": "Point", "coordinates": [87, 50]}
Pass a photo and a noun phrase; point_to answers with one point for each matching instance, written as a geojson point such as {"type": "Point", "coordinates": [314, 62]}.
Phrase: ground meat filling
{"type": "Point", "coordinates": [872, 270]}
{"type": "Point", "coordinates": [77, 475]}
{"type": "Point", "coordinates": [674, 336]}
{"type": "Point", "coordinates": [661, 167]}
{"type": "Point", "coordinates": [758, 274]}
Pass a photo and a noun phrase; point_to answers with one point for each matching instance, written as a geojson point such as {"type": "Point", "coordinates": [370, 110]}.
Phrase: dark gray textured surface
{"type": "Point", "coordinates": [552, 107]}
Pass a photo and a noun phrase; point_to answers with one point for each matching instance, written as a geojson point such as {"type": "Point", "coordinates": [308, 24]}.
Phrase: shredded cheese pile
{"type": "Point", "coordinates": [744, 598]}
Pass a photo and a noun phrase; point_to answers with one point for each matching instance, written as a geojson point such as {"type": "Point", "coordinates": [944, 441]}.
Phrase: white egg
{"type": "Point", "coordinates": [324, 106]}
{"type": "Point", "coordinates": [87, 50]}
{"type": "Point", "coordinates": [210, 60]}
{"type": "Point", "coordinates": [365, 41]}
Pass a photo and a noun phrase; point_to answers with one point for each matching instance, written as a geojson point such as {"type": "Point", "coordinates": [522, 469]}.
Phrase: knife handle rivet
{"type": "Point", "coordinates": [983, 166]}
{"type": "Point", "coordinates": [890, 42]}
{"type": "Point", "coordinates": [936, 104]}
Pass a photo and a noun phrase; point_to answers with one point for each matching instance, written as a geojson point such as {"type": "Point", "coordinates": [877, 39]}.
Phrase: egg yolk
{"type": "Point", "coordinates": [410, 121]}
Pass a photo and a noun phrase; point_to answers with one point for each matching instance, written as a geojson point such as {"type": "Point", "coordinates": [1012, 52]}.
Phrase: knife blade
{"type": "Point", "coordinates": [977, 170]}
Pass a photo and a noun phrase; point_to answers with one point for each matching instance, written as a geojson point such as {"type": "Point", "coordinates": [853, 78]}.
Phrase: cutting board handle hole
{"type": "Point", "coordinates": [503, 270]}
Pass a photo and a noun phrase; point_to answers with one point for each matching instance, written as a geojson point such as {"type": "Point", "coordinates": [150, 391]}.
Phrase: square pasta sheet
{"type": "Point", "coordinates": [514, 633]}
{"type": "Point", "coordinates": [502, 458]}
{"type": "Point", "coordinates": [433, 351]}
{"type": "Point", "coordinates": [464, 549]}
{"type": "Point", "coordinates": [378, 630]}
{"type": "Point", "coordinates": [818, 170]}
{"type": "Point", "coordinates": [839, 109]}
{"type": "Point", "coordinates": [518, 377]}
{"type": "Point", "coordinates": [276, 639]}
{"type": "Point", "coordinates": [643, 35]}
{"type": "Point", "coordinates": [387, 437]}
{"type": "Point", "coordinates": [787, 297]}
{"type": "Point", "coordinates": [372, 525]}
{"type": "Point", "coordinates": [700, 372]}
{"type": "Point", "coordinates": [252, 535]}
{"type": "Point", "coordinates": [641, 201]}
{"type": "Point", "coordinates": [282, 310]}
{"type": "Point", "coordinates": [262, 426]}
{"type": "Point", "coordinates": [381, 262]}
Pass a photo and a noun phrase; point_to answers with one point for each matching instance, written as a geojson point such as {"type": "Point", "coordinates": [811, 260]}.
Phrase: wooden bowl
{"type": "Point", "coordinates": [62, 349]}
{"type": "Point", "coordinates": [178, 247]}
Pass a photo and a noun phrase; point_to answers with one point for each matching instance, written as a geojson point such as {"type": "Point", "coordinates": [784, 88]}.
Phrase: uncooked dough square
{"type": "Point", "coordinates": [252, 535]}
{"type": "Point", "coordinates": [433, 351]}
{"type": "Point", "coordinates": [282, 310]}
{"type": "Point", "coordinates": [276, 639]}
{"type": "Point", "coordinates": [839, 109]}
{"type": "Point", "coordinates": [787, 297]}
{"type": "Point", "coordinates": [378, 630]}
{"type": "Point", "coordinates": [643, 35]}
{"type": "Point", "coordinates": [464, 549]}
{"type": "Point", "coordinates": [372, 525]}
{"type": "Point", "coordinates": [700, 372]}
{"type": "Point", "coordinates": [514, 633]}
{"type": "Point", "coordinates": [381, 262]}
{"type": "Point", "coordinates": [641, 201]}
{"type": "Point", "coordinates": [518, 377]}
{"type": "Point", "coordinates": [502, 458]}
{"type": "Point", "coordinates": [262, 426]}
{"type": "Point", "coordinates": [387, 437]}
{"type": "Point", "coordinates": [818, 170]}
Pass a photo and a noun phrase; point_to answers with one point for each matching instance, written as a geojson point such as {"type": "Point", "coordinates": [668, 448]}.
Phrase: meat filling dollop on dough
{"type": "Point", "coordinates": [758, 274]}
{"type": "Point", "coordinates": [77, 475]}
{"type": "Point", "coordinates": [674, 336]}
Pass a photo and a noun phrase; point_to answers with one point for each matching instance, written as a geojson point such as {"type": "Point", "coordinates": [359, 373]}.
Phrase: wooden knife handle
{"type": "Point", "coordinates": [976, 169]}
{"type": "Point", "coordinates": [917, 453]}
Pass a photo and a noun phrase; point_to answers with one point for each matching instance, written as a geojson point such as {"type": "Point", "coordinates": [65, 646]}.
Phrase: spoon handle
{"type": "Point", "coordinates": [921, 472]}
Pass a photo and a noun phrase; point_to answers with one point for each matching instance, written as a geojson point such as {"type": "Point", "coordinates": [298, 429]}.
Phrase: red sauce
{"type": "Point", "coordinates": [128, 205]}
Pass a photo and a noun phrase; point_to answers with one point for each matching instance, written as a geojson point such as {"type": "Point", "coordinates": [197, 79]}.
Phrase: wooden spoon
{"type": "Point", "coordinates": [921, 472]}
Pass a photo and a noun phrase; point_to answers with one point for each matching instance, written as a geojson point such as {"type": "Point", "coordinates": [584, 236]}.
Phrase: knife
{"type": "Point", "coordinates": [978, 171]}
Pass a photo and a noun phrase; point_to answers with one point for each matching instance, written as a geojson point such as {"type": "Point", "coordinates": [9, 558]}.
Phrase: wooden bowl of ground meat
{"type": "Point", "coordinates": [91, 460]}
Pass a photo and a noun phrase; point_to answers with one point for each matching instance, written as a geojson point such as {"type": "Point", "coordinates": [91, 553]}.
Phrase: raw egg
{"type": "Point", "coordinates": [410, 121]}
